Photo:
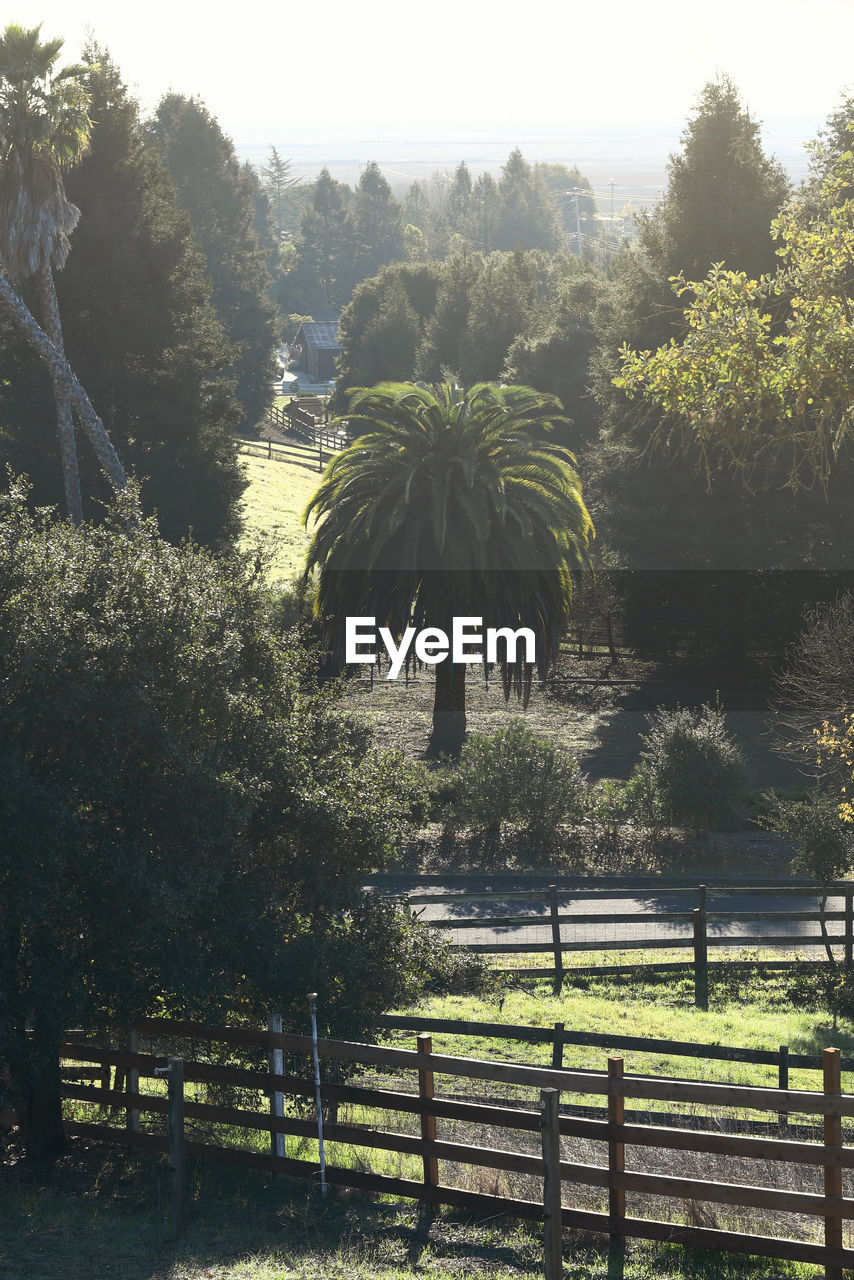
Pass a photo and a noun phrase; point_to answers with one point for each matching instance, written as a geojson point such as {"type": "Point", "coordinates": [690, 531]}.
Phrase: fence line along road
{"type": "Point", "coordinates": [471, 919]}
{"type": "Point", "coordinates": [441, 1159]}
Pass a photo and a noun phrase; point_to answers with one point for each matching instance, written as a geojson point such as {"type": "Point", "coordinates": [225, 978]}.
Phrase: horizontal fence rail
{"type": "Point", "coordinates": [122, 1071]}
{"type": "Point", "coordinates": [556, 1037]}
{"type": "Point", "coordinates": [548, 927]}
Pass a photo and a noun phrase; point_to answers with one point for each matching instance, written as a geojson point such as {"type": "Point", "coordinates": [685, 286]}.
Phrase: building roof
{"type": "Point", "coordinates": [322, 335]}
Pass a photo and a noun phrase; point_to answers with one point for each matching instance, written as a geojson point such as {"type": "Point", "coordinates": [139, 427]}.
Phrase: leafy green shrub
{"type": "Point", "coordinates": [691, 773]}
{"type": "Point", "coordinates": [185, 819]}
{"type": "Point", "coordinates": [823, 842]}
{"type": "Point", "coordinates": [515, 777]}
{"type": "Point", "coordinates": [821, 986]}
{"type": "Point", "coordinates": [443, 968]}
{"type": "Point", "coordinates": [614, 803]}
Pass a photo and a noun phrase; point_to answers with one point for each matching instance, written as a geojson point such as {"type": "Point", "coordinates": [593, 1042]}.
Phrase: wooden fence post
{"type": "Point", "coordinates": [132, 1078]}
{"type": "Point", "coordinates": [783, 1082]}
{"type": "Point", "coordinates": [701, 951]}
{"type": "Point", "coordinates": [832, 1173]}
{"type": "Point", "coordinates": [849, 928]}
{"type": "Point", "coordinates": [424, 1044]}
{"type": "Point", "coordinates": [174, 1074]}
{"type": "Point", "coordinates": [616, 1149]}
{"type": "Point", "coordinates": [276, 1063]}
{"type": "Point", "coordinates": [106, 1069]}
{"type": "Point", "coordinates": [557, 1047]}
{"type": "Point", "coordinates": [552, 1217]}
{"type": "Point", "coordinates": [556, 945]}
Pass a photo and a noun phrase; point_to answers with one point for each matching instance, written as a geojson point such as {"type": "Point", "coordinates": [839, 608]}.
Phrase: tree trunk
{"type": "Point", "coordinates": [449, 710]}
{"type": "Point", "coordinates": [62, 399]}
{"type": "Point", "coordinates": [822, 924]}
{"type": "Point", "coordinates": [40, 1099]}
{"type": "Point", "coordinates": [59, 370]}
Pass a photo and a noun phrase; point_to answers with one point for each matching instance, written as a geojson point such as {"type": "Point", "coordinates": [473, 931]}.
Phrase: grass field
{"type": "Point", "coordinates": [103, 1216]}
{"type": "Point", "coordinates": [273, 507]}
{"type": "Point", "coordinates": [750, 1010]}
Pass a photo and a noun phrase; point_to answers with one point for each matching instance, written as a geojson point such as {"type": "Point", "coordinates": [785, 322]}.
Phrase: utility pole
{"type": "Point", "coordinates": [577, 219]}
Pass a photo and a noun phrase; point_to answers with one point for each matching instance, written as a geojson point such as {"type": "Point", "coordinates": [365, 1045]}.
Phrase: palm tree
{"type": "Point", "coordinates": [44, 127]}
{"type": "Point", "coordinates": [452, 503]}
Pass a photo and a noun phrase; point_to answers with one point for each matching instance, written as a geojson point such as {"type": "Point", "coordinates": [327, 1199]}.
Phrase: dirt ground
{"type": "Point", "coordinates": [594, 708]}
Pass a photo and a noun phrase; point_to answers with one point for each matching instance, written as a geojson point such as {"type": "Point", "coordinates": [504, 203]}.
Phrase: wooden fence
{"type": "Point", "coordinates": [697, 936]}
{"type": "Point", "coordinates": [441, 1159]}
{"type": "Point", "coordinates": [557, 1037]}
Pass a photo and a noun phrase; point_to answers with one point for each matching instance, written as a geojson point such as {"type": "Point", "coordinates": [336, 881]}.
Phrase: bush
{"type": "Point", "coordinates": [186, 820]}
{"type": "Point", "coordinates": [614, 803]}
{"type": "Point", "coordinates": [691, 773]}
{"type": "Point", "coordinates": [823, 842]}
{"type": "Point", "coordinates": [441, 967]}
{"type": "Point", "coordinates": [515, 777]}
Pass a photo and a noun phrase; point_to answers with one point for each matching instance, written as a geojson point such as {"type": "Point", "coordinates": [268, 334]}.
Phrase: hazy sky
{"type": "Point", "coordinates": [381, 65]}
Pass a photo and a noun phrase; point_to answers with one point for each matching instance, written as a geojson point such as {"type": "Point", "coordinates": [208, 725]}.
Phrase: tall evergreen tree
{"type": "Point", "coordinates": [459, 197]}
{"type": "Point", "coordinates": [528, 218]}
{"type": "Point", "coordinates": [322, 279]}
{"type": "Point", "coordinates": [484, 214]}
{"type": "Point", "coordinates": [44, 128]}
{"type": "Point", "coordinates": [141, 328]}
{"type": "Point", "coordinates": [281, 186]}
{"type": "Point", "coordinates": [651, 506]}
{"type": "Point", "coordinates": [501, 303]}
{"type": "Point", "coordinates": [217, 193]}
{"type": "Point", "coordinates": [722, 193]}
{"type": "Point", "coordinates": [438, 354]}
{"type": "Point", "coordinates": [376, 221]}
{"type": "Point", "coordinates": [383, 325]}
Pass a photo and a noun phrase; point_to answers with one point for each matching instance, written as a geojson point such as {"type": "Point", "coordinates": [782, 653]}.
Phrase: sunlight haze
{"type": "Point", "coordinates": [377, 68]}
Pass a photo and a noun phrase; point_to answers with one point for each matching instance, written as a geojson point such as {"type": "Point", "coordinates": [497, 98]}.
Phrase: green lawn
{"type": "Point", "coordinates": [761, 1015]}
{"type": "Point", "coordinates": [273, 507]}
{"type": "Point", "coordinates": [105, 1216]}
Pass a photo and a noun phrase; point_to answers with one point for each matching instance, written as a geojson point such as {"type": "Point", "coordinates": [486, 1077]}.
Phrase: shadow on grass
{"type": "Point", "coordinates": [99, 1215]}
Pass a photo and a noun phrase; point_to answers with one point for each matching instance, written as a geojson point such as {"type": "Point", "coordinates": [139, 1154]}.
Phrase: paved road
{"type": "Point", "coordinates": [642, 900]}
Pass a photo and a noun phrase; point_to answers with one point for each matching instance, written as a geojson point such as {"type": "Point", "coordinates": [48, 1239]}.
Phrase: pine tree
{"type": "Point", "coordinates": [652, 507]}
{"type": "Point", "coordinates": [376, 221]}
{"type": "Point", "coordinates": [722, 193]}
{"type": "Point", "coordinates": [218, 194]}
{"type": "Point", "coordinates": [323, 276]}
{"type": "Point", "coordinates": [281, 187]}
{"type": "Point", "coordinates": [528, 217]}
{"type": "Point", "coordinates": [141, 329]}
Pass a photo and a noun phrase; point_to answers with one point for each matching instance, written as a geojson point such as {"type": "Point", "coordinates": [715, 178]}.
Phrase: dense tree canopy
{"type": "Point", "coordinates": [141, 329]}
{"type": "Point", "coordinates": [722, 192]}
{"type": "Point", "coordinates": [763, 373]}
{"type": "Point", "coordinates": [218, 194]}
{"type": "Point", "coordinates": [44, 128]}
{"type": "Point", "coordinates": [322, 277]}
{"type": "Point", "coordinates": [348, 235]}
{"type": "Point", "coordinates": [184, 818]}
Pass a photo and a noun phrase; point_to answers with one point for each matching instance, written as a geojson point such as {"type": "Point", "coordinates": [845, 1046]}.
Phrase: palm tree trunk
{"type": "Point", "coordinates": [59, 370]}
{"type": "Point", "coordinates": [62, 399]}
{"type": "Point", "coordinates": [449, 710]}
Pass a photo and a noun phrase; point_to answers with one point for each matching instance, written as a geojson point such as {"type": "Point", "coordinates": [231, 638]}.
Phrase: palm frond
{"type": "Point", "coordinates": [452, 502]}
